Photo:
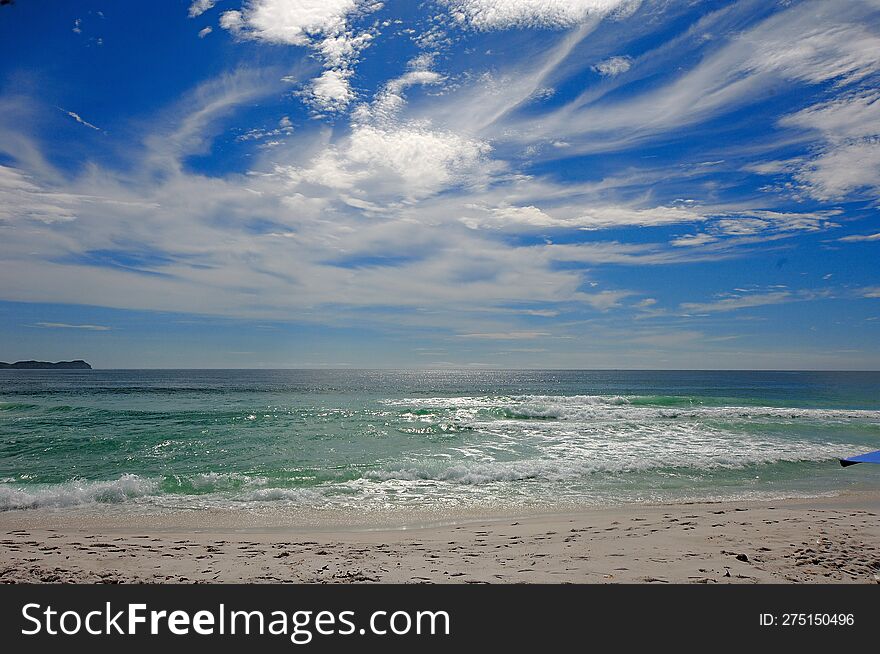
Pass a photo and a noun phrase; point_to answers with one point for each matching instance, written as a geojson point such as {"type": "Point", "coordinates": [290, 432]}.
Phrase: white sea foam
{"type": "Point", "coordinates": [565, 438]}
{"type": "Point", "coordinates": [612, 407]}
{"type": "Point", "coordinates": [76, 492]}
{"type": "Point", "coordinates": [295, 495]}
{"type": "Point", "coordinates": [640, 458]}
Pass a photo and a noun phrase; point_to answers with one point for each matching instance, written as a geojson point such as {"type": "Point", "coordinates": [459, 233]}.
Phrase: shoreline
{"type": "Point", "coordinates": [271, 517]}
{"type": "Point", "coordinates": [821, 539]}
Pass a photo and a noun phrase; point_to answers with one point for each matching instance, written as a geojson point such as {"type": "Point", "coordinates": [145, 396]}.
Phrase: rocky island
{"type": "Point", "coordinates": [78, 364]}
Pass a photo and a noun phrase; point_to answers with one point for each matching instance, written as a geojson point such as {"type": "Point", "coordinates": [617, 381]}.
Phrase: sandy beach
{"type": "Point", "coordinates": [828, 540]}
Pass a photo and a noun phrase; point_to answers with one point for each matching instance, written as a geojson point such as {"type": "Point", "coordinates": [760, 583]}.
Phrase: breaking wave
{"type": "Point", "coordinates": [593, 407]}
{"type": "Point", "coordinates": [76, 492]}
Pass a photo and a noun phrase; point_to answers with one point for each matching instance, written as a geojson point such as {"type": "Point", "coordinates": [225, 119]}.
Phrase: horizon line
{"type": "Point", "coordinates": [455, 368]}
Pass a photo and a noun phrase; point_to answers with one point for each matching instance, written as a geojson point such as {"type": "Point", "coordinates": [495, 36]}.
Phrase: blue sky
{"type": "Point", "coordinates": [500, 183]}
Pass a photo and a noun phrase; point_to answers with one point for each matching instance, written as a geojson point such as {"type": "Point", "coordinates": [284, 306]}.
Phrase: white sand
{"type": "Point", "coordinates": [796, 540]}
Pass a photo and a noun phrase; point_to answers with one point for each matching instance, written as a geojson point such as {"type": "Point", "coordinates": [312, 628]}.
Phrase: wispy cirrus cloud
{"type": "Point", "coordinates": [738, 302]}
{"type": "Point", "coordinates": [849, 159]}
{"type": "Point", "coordinates": [80, 119]}
{"type": "Point", "coordinates": [62, 325]}
{"type": "Point", "coordinates": [811, 43]}
{"type": "Point", "coordinates": [506, 336]}
{"type": "Point", "coordinates": [860, 238]}
{"type": "Point", "coordinates": [745, 298]}
{"type": "Point", "coordinates": [692, 240]}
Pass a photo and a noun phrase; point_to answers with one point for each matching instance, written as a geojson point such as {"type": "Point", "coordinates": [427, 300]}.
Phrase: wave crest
{"type": "Point", "coordinates": [76, 492]}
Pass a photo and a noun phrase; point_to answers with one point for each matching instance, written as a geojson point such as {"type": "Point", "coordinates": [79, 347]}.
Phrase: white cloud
{"type": "Point", "coordinates": [198, 7]}
{"type": "Point", "coordinates": [806, 43]}
{"type": "Point", "coordinates": [772, 167]}
{"type": "Point", "coordinates": [502, 217]}
{"type": "Point", "coordinates": [504, 14]}
{"type": "Point", "coordinates": [613, 66]}
{"type": "Point", "coordinates": [62, 325]}
{"type": "Point", "coordinates": [291, 22]}
{"type": "Point", "coordinates": [379, 166]}
{"type": "Point", "coordinates": [391, 100]}
{"type": "Point", "coordinates": [738, 302]}
{"type": "Point", "coordinates": [576, 217]}
{"type": "Point", "coordinates": [742, 226]}
{"type": "Point", "coordinates": [543, 313]}
{"type": "Point", "coordinates": [21, 198]}
{"type": "Point", "coordinates": [322, 25]}
{"type": "Point", "coordinates": [484, 102]}
{"type": "Point", "coordinates": [332, 90]}
{"type": "Point", "coordinates": [603, 300]}
{"type": "Point", "coordinates": [340, 49]}
{"type": "Point", "coordinates": [80, 119]}
{"type": "Point", "coordinates": [856, 238]}
{"type": "Point", "coordinates": [842, 170]}
{"type": "Point", "coordinates": [412, 78]}
{"type": "Point", "coordinates": [284, 128]}
{"type": "Point", "coordinates": [752, 222]}
{"type": "Point", "coordinates": [585, 214]}
{"type": "Point", "coordinates": [205, 31]}
{"type": "Point", "coordinates": [506, 336]}
{"type": "Point", "coordinates": [849, 160]}
{"type": "Point", "coordinates": [200, 254]}
{"type": "Point", "coordinates": [189, 127]}
{"type": "Point", "coordinates": [852, 116]}
{"type": "Point", "coordinates": [617, 216]}
{"type": "Point", "coordinates": [841, 52]}
{"type": "Point", "coordinates": [692, 240]}
{"type": "Point", "coordinates": [425, 160]}
{"type": "Point", "coordinates": [232, 21]}
{"type": "Point", "coordinates": [809, 221]}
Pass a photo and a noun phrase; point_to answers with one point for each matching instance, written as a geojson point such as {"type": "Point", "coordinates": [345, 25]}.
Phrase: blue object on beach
{"type": "Point", "coordinates": [870, 457]}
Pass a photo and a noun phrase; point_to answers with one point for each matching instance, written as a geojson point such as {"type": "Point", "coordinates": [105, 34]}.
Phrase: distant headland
{"type": "Point", "coordinates": [79, 364]}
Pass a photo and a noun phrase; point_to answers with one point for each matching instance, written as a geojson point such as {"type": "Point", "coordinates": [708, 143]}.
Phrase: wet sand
{"type": "Point", "coordinates": [829, 540]}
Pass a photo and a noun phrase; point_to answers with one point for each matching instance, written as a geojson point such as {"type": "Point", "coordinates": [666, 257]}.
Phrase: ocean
{"type": "Point", "coordinates": [442, 442]}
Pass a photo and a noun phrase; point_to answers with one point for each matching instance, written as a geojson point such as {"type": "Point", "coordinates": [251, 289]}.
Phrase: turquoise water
{"type": "Point", "coordinates": [428, 440]}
